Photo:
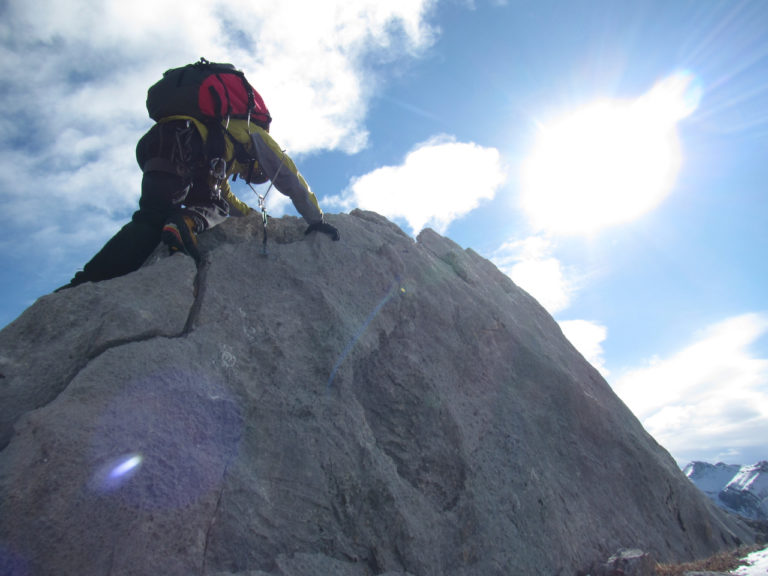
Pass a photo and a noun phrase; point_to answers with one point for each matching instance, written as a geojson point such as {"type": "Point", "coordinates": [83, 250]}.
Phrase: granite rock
{"type": "Point", "coordinates": [378, 405]}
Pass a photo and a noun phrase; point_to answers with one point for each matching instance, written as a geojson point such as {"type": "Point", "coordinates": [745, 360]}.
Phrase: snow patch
{"type": "Point", "coordinates": [757, 565]}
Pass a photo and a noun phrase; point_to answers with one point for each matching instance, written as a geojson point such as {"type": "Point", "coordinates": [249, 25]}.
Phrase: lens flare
{"type": "Point", "coordinates": [393, 289]}
{"type": "Point", "coordinates": [125, 468]}
{"type": "Point", "coordinates": [117, 472]}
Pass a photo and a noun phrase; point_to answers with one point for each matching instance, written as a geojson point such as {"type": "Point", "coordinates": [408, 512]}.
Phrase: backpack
{"type": "Point", "coordinates": [206, 91]}
{"type": "Point", "coordinates": [210, 92]}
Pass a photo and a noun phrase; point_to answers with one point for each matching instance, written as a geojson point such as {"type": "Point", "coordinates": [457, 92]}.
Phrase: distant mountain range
{"type": "Point", "coordinates": [739, 489]}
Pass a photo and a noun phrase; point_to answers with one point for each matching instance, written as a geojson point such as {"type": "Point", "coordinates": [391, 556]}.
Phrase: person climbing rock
{"type": "Point", "coordinates": [210, 125]}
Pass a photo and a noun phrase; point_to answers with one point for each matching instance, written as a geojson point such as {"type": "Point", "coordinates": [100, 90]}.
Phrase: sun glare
{"type": "Point", "coordinates": [609, 162]}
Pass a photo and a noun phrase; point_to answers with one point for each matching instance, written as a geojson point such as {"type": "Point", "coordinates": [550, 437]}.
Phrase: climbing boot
{"type": "Point", "coordinates": [179, 235]}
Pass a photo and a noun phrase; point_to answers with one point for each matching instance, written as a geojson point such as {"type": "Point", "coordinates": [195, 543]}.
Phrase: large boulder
{"type": "Point", "coordinates": [377, 405]}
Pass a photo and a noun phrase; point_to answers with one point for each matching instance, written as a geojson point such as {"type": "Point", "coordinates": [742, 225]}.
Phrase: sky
{"type": "Point", "coordinates": [609, 156]}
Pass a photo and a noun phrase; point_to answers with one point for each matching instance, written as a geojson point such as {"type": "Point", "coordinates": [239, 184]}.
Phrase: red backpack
{"type": "Point", "coordinates": [206, 91]}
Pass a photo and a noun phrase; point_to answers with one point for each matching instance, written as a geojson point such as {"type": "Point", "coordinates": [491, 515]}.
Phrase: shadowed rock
{"type": "Point", "coordinates": [377, 405]}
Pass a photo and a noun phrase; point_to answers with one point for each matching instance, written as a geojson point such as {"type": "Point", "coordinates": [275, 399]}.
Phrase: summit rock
{"type": "Point", "coordinates": [378, 405]}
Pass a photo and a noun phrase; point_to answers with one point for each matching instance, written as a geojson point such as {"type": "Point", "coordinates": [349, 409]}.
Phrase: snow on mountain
{"type": "Point", "coordinates": [711, 478]}
{"type": "Point", "coordinates": [747, 493]}
{"type": "Point", "coordinates": [740, 489]}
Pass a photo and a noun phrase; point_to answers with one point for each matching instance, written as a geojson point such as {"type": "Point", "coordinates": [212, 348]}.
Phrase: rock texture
{"type": "Point", "coordinates": [627, 563]}
{"type": "Point", "coordinates": [372, 406]}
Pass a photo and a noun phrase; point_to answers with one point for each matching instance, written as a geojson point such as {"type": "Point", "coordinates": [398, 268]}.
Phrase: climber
{"type": "Point", "coordinates": [187, 159]}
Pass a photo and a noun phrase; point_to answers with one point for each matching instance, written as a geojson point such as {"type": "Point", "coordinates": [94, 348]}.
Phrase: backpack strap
{"type": "Point", "coordinates": [215, 145]}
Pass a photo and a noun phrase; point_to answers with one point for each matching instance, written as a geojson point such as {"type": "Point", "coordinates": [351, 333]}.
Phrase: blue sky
{"type": "Point", "coordinates": [610, 156]}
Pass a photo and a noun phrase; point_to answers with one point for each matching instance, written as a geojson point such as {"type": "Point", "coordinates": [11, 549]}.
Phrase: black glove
{"type": "Point", "coordinates": [325, 228]}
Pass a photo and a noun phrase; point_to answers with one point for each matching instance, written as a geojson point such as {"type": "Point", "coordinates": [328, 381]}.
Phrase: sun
{"type": "Point", "coordinates": [609, 162]}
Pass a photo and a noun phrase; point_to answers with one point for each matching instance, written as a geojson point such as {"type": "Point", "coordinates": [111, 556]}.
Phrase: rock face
{"type": "Point", "coordinates": [369, 406]}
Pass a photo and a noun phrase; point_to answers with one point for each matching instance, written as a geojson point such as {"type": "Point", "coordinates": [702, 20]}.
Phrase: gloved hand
{"type": "Point", "coordinates": [325, 228]}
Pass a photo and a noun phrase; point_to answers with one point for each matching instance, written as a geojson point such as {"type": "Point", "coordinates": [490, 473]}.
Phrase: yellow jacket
{"type": "Point", "coordinates": [269, 158]}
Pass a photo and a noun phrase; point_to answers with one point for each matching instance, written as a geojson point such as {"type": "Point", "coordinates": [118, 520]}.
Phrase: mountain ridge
{"type": "Point", "coordinates": [742, 490]}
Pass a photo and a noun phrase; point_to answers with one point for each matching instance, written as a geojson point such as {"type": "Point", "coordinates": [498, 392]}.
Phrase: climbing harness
{"type": "Point", "coordinates": [263, 203]}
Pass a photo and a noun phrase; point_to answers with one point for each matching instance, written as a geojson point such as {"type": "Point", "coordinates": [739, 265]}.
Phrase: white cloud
{"type": "Point", "coordinates": [439, 181]}
{"type": "Point", "coordinates": [587, 337]}
{"type": "Point", "coordinates": [75, 76]}
{"type": "Point", "coordinates": [531, 265]}
{"type": "Point", "coordinates": [710, 399]}
{"type": "Point", "coordinates": [313, 78]}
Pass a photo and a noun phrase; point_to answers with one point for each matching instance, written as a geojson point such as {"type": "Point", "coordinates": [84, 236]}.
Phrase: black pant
{"type": "Point", "coordinates": [126, 251]}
